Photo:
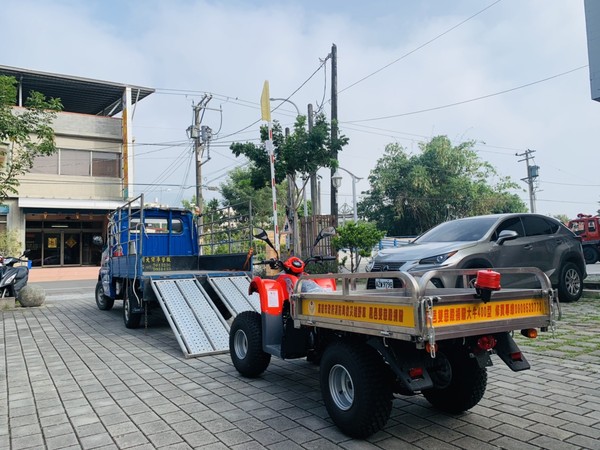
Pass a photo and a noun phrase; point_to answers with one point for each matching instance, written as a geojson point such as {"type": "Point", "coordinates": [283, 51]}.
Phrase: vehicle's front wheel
{"type": "Point", "coordinates": [570, 283]}
{"type": "Point", "coordinates": [103, 302]}
{"type": "Point", "coordinates": [466, 388]}
{"type": "Point", "coordinates": [130, 318]}
{"type": "Point", "coordinates": [245, 345]}
{"type": "Point", "coordinates": [356, 389]}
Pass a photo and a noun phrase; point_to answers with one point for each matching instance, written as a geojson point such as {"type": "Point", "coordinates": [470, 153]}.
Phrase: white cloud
{"type": "Point", "coordinates": [230, 48]}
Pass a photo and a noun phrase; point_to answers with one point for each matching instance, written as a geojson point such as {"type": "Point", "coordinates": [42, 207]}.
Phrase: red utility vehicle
{"type": "Point", "coordinates": [587, 227]}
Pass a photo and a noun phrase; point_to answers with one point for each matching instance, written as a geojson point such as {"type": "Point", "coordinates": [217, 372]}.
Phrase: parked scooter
{"type": "Point", "coordinates": [13, 279]}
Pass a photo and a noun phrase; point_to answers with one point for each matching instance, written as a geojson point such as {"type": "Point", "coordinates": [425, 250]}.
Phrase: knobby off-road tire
{"type": "Point", "coordinates": [245, 345]}
{"type": "Point", "coordinates": [103, 302]}
{"type": "Point", "coordinates": [356, 388]}
{"type": "Point", "coordinates": [466, 387]}
{"type": "Point", "coordinates": [570, 283]}
{"type": "Point", "coordinates": [131, 319]}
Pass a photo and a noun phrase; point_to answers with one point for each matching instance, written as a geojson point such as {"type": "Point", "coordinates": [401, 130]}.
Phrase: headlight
{"type": "Point", "coordinates": [369, 266]}
{"type": "Point", "coordinates": [438, 259]}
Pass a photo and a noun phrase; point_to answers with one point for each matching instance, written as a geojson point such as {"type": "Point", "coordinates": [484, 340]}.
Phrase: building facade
{"type": "Point", "coordinates": [63, 202]}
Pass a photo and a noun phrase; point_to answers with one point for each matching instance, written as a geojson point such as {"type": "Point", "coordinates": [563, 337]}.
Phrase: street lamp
{"type": "Point", "coordinates": [336, 179]}
{"type": "Point", "coordinates": [288, 101]}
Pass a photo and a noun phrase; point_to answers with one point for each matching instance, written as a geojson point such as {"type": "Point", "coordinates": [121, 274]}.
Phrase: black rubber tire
{"type": "Point", "coordinates": [103, 302]}
{"type": "Point", "coordinates": [466, 387]}
{"type": "Point", "coordinates": [245, 345]}
{"type": "Point", "coordinates": [590, 254]}
{"type": "Point", "coordinates": [570, 283]}
{"type": "Point", "coordinates": [356, 388]}
{"type": "Point", "coordinates": [130, 319]}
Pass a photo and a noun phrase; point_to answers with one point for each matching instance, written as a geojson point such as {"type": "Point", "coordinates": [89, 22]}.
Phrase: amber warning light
{"type": "Point", "coordinates": [487, 281]}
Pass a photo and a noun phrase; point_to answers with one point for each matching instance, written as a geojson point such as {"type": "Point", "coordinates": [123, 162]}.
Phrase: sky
{"type": "Point", "coordinates": [514, 71]}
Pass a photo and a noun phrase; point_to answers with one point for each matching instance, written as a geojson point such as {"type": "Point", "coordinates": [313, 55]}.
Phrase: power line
{"type": "Point", "coordinates": [470, 100]}
{"type": "Point", "coordinates": [421, 46]}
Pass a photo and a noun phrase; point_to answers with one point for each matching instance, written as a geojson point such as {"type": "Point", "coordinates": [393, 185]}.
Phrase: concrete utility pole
{"type": "Point", "coordinates": [532, 174]}
{"type": "Point", "coordinates": [334, 129]}
{"type": "Point", "coordinates": [201, 136]}
{"type": "Point", "coordinates": [314, 190]}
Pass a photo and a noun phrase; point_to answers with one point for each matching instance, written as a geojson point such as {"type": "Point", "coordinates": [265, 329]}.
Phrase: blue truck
{"type": "Point", "coordinates": [152, 257]}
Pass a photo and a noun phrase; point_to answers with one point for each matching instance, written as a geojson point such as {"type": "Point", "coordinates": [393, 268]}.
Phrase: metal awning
{"type": "Point", "coordinates": [78, 95]}
{"type": "Point", "coordinates": [51, 204]}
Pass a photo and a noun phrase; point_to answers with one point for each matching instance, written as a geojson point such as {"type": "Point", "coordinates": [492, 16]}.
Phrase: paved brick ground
{"type": "Point", "coordinates": [73, 377]}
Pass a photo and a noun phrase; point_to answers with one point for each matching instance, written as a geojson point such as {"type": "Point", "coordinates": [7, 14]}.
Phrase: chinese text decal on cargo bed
{"type": "Point", "coordinates": [157, 263]}
{"type": "Point", "coordinates": [465, 313]}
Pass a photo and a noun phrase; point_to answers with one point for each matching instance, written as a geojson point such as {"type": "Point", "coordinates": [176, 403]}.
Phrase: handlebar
{"type": "Point", "coordinates": [272, 262]}
{"type": "Point", "coordinates": [320, 258]}
{"type": "Point", "coordinates": [275, 263]}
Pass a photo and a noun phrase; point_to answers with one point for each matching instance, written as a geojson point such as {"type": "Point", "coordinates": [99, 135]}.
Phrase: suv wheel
{"type": "Point", "coordinates": [570, 283]}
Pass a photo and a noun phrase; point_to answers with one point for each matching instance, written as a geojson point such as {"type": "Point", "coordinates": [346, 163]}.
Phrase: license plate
{"type": "Point", "coordinates": [384, 283]}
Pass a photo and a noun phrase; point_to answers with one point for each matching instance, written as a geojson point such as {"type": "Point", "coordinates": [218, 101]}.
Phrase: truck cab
{"type": "Point", "coordinates": [587, 227]}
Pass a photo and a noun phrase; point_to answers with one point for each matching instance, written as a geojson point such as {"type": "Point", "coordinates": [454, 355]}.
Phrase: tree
{"type": "Point", "coordinates": [359, 238]}
{"type": "Point", "coordinates": [239, 192]}
{"type": "Point", "coordinates": [412, 193]}
{"type": "Point", "coordinates": [24, 133]}
{"type": "Point", "coordinates": [563, 218]}
{"type": "Point", "coordinates": [297, 155]}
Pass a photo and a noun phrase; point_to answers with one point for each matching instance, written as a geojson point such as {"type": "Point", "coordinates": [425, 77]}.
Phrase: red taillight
{"type": "Point", "coordinates": [486, 342]}
{"type": "Point", "coordinates": [516, 356]}
{"type": "Point", "coordinates": [415, 372]}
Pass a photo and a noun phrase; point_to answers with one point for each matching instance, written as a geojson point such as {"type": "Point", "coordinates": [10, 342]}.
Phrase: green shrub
{"type": "Point", "coordinates": [9, 243]}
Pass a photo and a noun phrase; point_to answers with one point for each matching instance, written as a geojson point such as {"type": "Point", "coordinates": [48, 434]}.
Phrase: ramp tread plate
{"type": "Point", "coordinates": [198, 326]}
{"type": "Point", "coordinates": [216, 330]}
{"type": "Point", "coordinates": [183, 317]}
{"type": "Point", "coordinates": [238, 300]}
{"type": "Point", "coordinates": [242, 284]}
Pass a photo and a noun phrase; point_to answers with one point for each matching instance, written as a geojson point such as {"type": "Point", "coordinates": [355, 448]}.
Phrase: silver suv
{"type": "Point", "coordinates": [500, 240]}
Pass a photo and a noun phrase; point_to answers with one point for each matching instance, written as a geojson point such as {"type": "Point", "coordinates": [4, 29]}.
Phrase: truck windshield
{"type": "Point", "coordinates": [158, 225]}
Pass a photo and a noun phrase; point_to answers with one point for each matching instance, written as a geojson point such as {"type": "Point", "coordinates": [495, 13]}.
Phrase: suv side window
{"type": "Point", "coordinates": [538, 226]}
{"type": "Point", "coordinates": [513, 224]}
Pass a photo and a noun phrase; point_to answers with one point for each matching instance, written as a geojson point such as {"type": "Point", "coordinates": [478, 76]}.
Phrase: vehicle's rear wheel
{"type": "Point", "coordinates": [131, 319]}
{"type": "Point", "coordinates": [590, 254]}
{"type": "Point", "coordinates": [103, 302]}
{"type": "Point", "coordinates": [356, 391]}
{"type": "Point", "coordinates": [570, 283]}
{"type": "Point", "coordinates": [466, 387]}
{"type": "Point", "coordinates": [245, 345]}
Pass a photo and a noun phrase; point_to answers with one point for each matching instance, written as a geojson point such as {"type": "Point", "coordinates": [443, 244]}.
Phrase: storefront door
{"type": "Point", "coordinates": [52, 249]}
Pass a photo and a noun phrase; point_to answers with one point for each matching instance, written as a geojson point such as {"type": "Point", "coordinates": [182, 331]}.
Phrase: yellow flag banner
{"type": "Point", "coordinates": [265, 103]}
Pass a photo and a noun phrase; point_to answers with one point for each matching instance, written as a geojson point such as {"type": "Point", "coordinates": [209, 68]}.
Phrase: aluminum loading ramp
{"type": "Point", "coordinates": [198, 326]}
{"type": "Point", "coordinates": [233, 292]}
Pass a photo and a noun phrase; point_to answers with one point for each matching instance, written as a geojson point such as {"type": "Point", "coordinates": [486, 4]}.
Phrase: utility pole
{"type": "Point", "coordinates": [201, 137]}
{"type": "Point", "coordinates": [314, 191]}
{"type": "Point", "coordinates": [532, 174]}
{"type": "Point", "coordinates": [334, 130]}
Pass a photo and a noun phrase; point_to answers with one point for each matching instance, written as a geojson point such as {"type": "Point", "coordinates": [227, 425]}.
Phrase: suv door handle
{"type": "Point", "coordinates": [528, 247]}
